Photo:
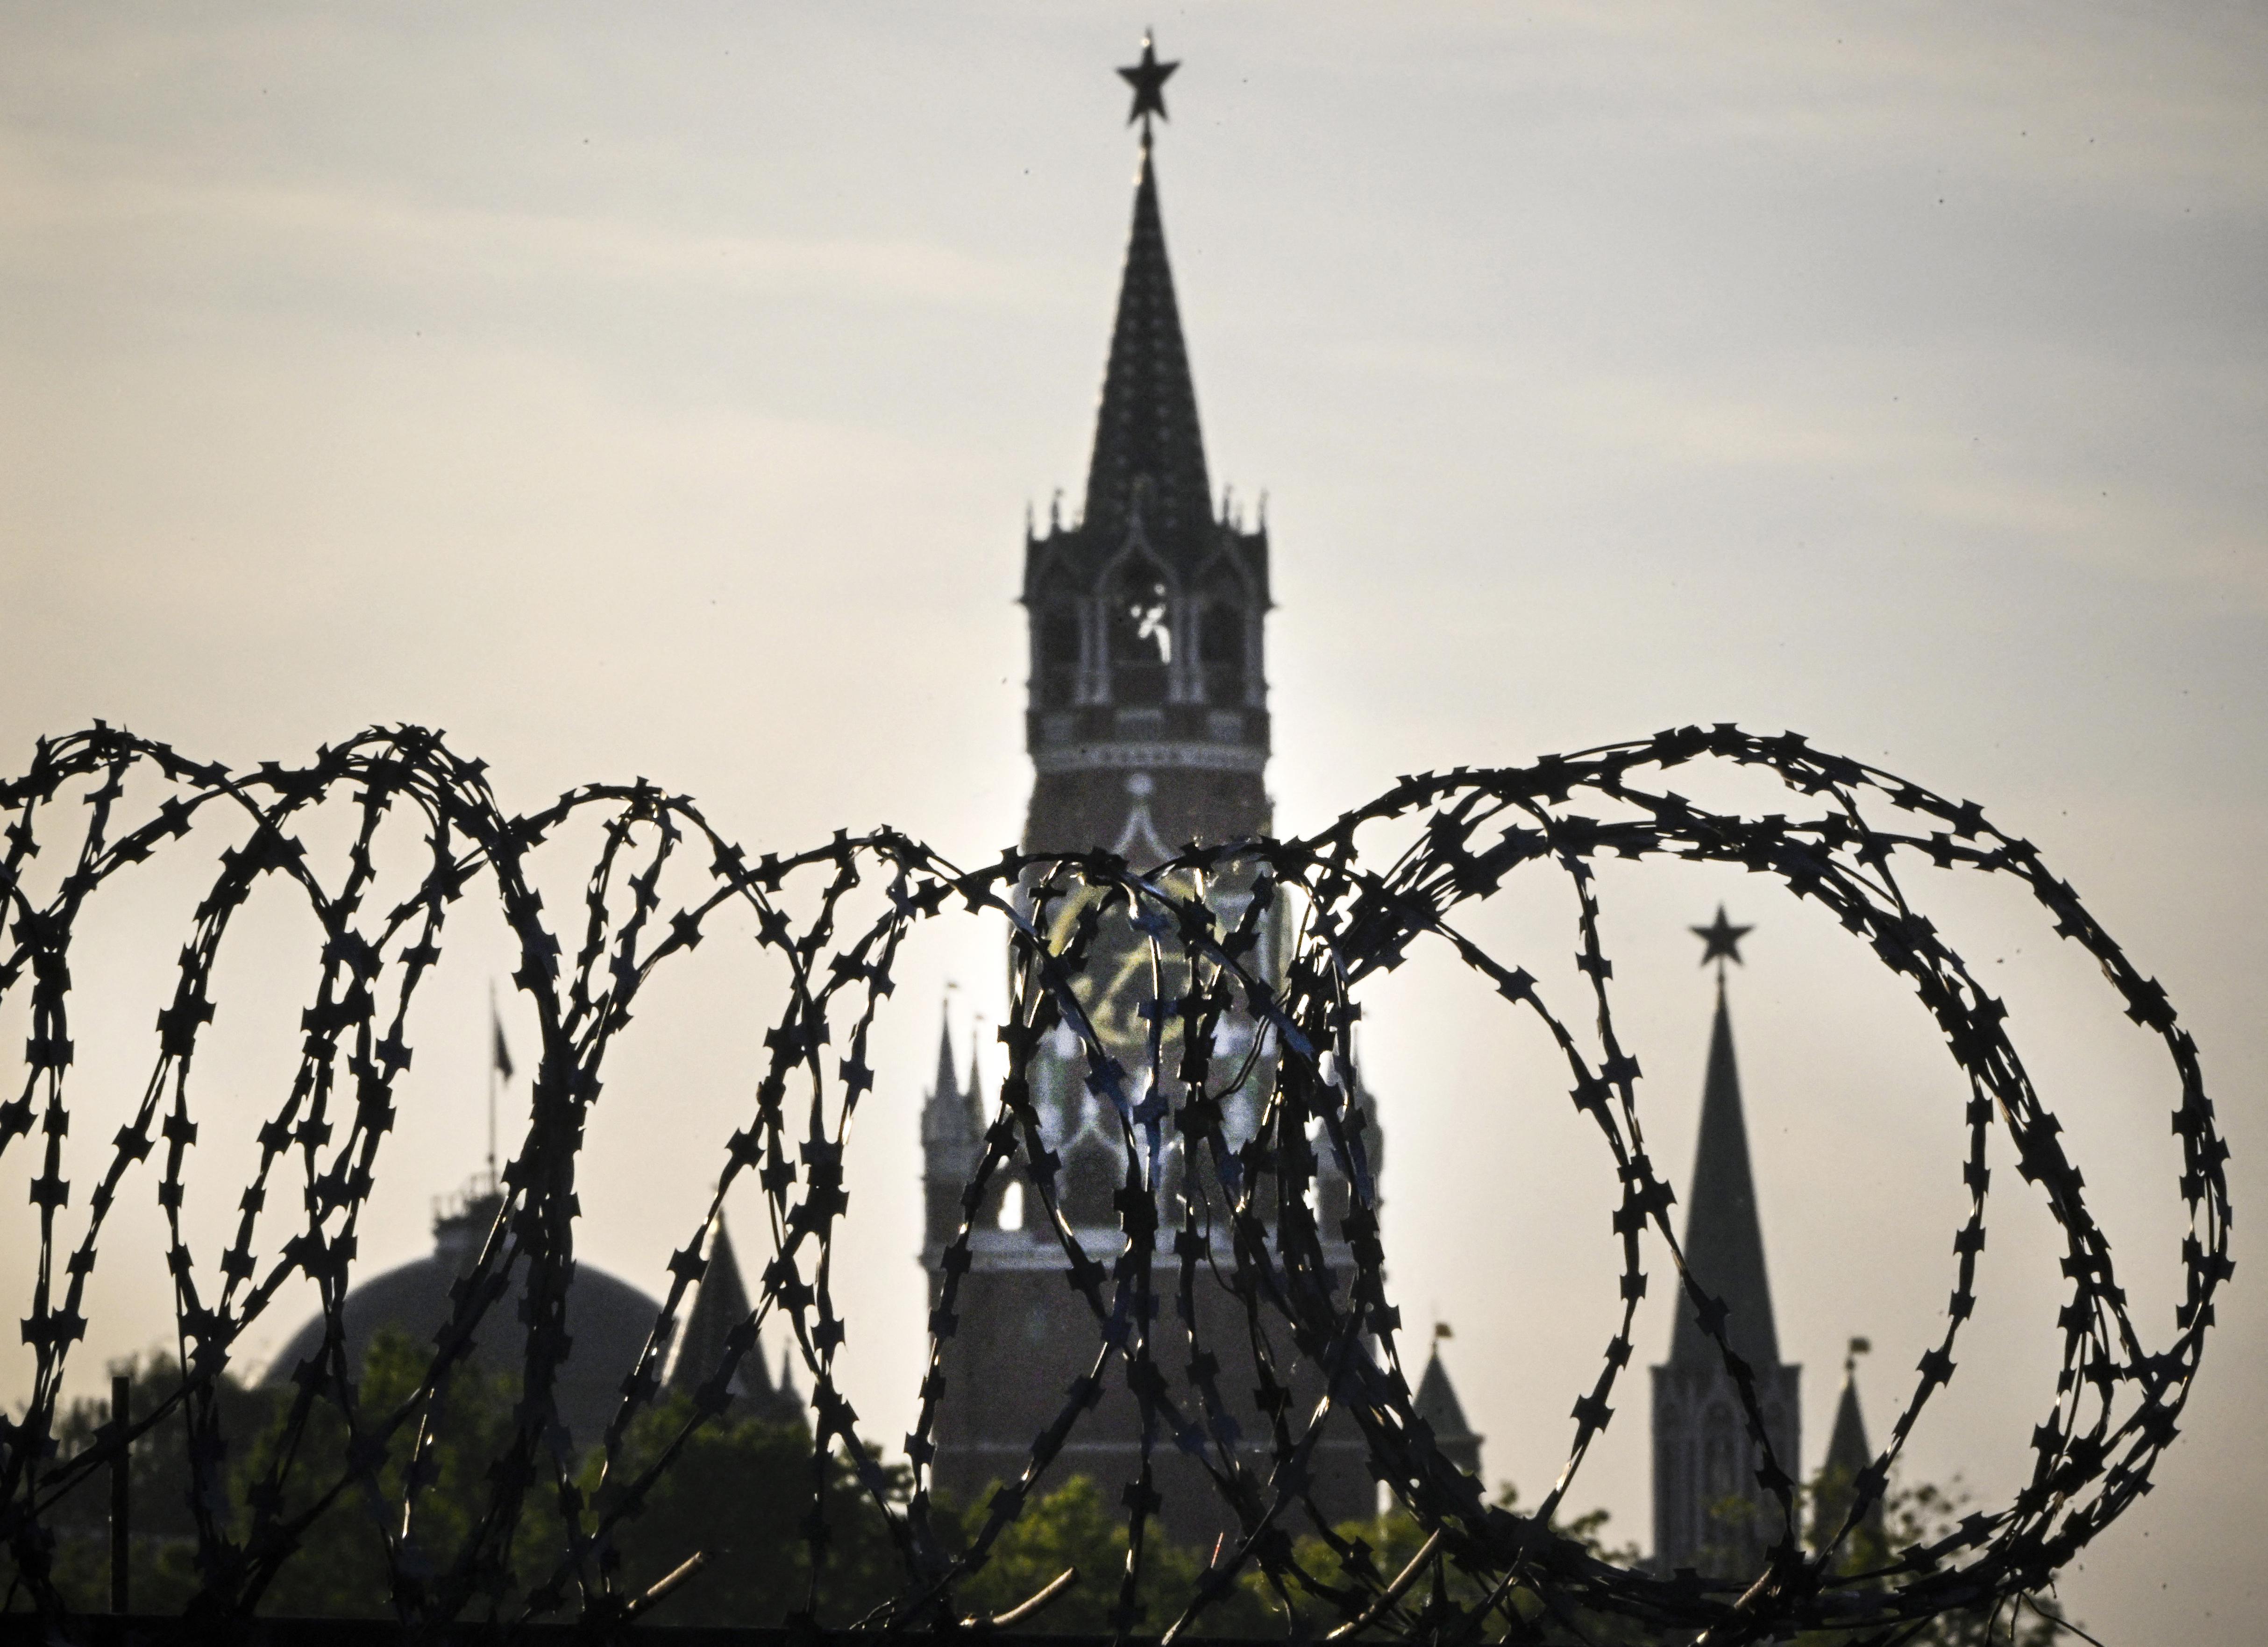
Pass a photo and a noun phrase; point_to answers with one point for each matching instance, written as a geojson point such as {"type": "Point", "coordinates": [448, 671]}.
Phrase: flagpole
{"type": "Point", "coordinates": [496, 1039]}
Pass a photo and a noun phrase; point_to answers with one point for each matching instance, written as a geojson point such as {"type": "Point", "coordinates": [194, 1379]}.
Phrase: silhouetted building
{"type": "Point", "coordinates": [720, 1304]}
{"type": "Point", "coordinates": [1148, 725]}
{"type": "Point", "coordinates": [1710, 1514]}
{"type": "Point", "coordinates": [607, 1319]}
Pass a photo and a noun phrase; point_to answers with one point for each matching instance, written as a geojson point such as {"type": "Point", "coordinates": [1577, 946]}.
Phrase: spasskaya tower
{"type": "Point", "coordinates": [1147, 724]}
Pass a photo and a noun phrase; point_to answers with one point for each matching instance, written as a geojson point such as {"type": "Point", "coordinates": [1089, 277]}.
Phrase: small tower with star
{"type": "Point", "coordinates": [1710, 1514]}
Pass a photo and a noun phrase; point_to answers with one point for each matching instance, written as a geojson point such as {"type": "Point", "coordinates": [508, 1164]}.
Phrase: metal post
{"type": "Point", "coordinates": [121, 1388]}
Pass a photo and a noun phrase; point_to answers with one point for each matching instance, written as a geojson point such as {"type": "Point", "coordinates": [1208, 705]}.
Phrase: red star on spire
{"type": "Point", "coordinates": [1148, 78]}
{"type": "Point", "coordinates": [1723, 940]}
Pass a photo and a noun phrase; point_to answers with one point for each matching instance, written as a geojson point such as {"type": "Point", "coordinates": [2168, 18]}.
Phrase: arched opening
{"type": "Point", "coordinates": [1679, 1491]}
{"type": "Point", "coordinates": [1721, 1452]}
{"type": "Point", "coordinates": [1092, 1175]}
{"type": "Point", "coordinates": [1141, 634]}
{"type": "Point", "coordinates": [1058, 649]}
{"type": "Point", "coordinates": [1221, 653]}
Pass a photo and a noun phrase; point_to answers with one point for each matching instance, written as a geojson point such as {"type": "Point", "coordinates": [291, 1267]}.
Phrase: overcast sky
{"type": "Point", "coordinates": [661, 391]}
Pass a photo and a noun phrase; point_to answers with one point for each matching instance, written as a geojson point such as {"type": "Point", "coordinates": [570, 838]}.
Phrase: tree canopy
{"type": "Point", "coordinates": [742, 1490]}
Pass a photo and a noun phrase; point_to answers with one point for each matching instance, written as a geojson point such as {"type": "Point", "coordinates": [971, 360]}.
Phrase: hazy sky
{"type": "Point", "coordinates": [660, 392]}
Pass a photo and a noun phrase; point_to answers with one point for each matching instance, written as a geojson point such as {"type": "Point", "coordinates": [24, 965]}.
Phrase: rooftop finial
{"type": "Point", "coordinates": [1148, 78]}
{"type": "Point", "coordinates": [499, 1070]}
{"type": "Point", "coordinates": [1722, 941]}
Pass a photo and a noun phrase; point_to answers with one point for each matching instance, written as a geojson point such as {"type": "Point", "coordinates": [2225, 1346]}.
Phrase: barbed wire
{"type": "Point", "coordinates": [1279, 1210]}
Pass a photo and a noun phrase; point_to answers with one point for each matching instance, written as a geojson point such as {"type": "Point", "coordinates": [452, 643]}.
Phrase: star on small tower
{"type": "Point", "coordinates": [1721, 942]}
{"type": "Point", "coordinates": [1148, 78]}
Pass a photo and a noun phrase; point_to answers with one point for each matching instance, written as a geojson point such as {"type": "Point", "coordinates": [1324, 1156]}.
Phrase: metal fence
{"type": "Point", "coordinates": [95, 804]}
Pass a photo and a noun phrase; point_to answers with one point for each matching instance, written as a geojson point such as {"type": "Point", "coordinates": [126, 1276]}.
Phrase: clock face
{"type": "Point", "coordinates": [1124, 976]}
{"type": "Point", "coordinates": [1126, 980]}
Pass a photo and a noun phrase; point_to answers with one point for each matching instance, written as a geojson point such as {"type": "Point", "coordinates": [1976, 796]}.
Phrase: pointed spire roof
{"type": "Point", "coordinates": [719, 1306]}
{"type": "Point", "coordinates": [945, 1089]}
{"type": "Point", "coordinates": [1148, 458]}
{"type": "Point", "coordinates": [1849, 1454]}
{"type": "Point", "coordinates": [1444, 1414]}
{"type": "Point", "coordinates": [1724, 1242]}
{"type": "Point", "coordinates": [1847, 1448]}
{"type": "Point", "coordinates": [948, 1117]}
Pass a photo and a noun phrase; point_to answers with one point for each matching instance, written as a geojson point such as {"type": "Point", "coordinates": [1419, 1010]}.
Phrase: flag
{"type": "Point", "coordinates": [1441, 1330]}
{"type": "Point", "coordinates": [503, 1052]}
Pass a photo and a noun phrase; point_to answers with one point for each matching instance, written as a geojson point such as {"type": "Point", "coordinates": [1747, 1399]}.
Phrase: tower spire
{"type": "Point", "coordinates": [1724, 1240]}
{"type": "Point", "coordinates": [945, 1091]}
{"type": "Point", "coordinates": [1149, 458]}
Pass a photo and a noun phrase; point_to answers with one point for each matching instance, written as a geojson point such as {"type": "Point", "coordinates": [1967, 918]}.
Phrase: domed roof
{"type": "Point", "coordinates": [607, 1319]}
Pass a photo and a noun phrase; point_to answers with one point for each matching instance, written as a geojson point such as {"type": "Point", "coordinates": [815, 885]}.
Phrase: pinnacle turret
{"type": "Point", "coordinates": [1438, 1406]}
{"type": "Point", "coordinates": [1849, 1455]}
{"type": "Point", "coordinates": [942, 1115]}
{"type": "Point", "coordinates": [719, 1306]}
{"type": "Point", "coordinates": [951, 1137]}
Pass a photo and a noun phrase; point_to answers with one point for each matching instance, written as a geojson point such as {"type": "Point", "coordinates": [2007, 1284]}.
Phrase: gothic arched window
{"type": "Point", "coordinates": [1059, 640]}
{"type": "Point", "coordinates": [1720, 1454]}
{"type": "Point", "coordinates": [1057, 646]}
{"type": "Point", "coordinates": [1221, 652]}
{"type": "Point", "coordinates": [1141, 633]}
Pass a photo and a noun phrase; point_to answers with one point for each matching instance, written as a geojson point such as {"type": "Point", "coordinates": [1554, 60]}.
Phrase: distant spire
{"type": "Point", "coordinates": [1848, 1453]}
{"type": "Point", "coordinates": [1444, 1414]}
{"type": "Point", "coordinates": [1724, 1242]}
{"type": "Point", "coordinates": [719, 1306]}
{"type": "Point", "coordinates": [945, 1091]}
{"type": "Point", "coordinates": [1149, 457]}
{"type": "Point", "coordinates": [950, 1120]}
{"type": "Point", "coordinates": [1847, 1449]}
{"type": "Point", "coordinates": [951, 1130]}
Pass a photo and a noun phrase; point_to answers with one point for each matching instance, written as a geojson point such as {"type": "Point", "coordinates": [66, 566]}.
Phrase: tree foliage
{"type": "Point", "coordinates": [742, 1491]}
{"type": "Point", "coordinates": [1920, 1513]}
